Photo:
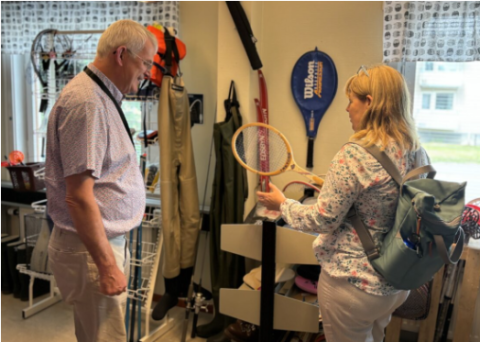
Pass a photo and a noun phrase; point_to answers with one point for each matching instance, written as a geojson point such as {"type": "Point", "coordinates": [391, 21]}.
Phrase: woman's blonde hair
{"type": "Point", "coordinates": [125, 32]}
{"type": "Point", "coordinates": [389, 114]}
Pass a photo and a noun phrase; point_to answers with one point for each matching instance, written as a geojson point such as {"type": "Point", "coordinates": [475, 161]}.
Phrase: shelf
{"type": "Point", "coordinates": [289, 314]}
{"type": "Point", "coordinates": [291, 247]}
{"type": "Point", "coordinates": [246, 240]}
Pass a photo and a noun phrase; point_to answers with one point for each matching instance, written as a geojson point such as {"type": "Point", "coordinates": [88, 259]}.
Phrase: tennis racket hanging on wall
{"type": "Point", "coordinates": [314, 85]}
{"type": "Point", "coordinates": [262, 116]}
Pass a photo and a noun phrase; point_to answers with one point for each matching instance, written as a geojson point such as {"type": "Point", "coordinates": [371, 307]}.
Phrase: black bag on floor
{"type": "Point", "coordinates": [417, 305]}
{"type": "Point", "coordinates": [12, 267]}
{"type": "Point", "coordinates": [7, 278]}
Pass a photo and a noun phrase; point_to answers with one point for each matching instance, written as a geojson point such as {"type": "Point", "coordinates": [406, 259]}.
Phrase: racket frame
{"type": "Point", "coordinates": [289, 165]}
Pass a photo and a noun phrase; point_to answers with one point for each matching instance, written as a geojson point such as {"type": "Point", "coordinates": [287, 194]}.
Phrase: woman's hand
{"type": "Point", "coordinates": [273, 199]}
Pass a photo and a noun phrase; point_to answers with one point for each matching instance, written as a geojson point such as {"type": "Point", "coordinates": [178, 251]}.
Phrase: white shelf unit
{"type": "Point", "coordinates": [291, 247]}
{"type": "Point", "coordinates": [30, 240]}
{"type": "Point", "coordinates": [53, 298]}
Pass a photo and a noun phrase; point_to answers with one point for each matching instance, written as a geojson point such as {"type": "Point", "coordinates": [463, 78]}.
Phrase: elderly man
{"type": "Point", "coordinates": [95, 189]}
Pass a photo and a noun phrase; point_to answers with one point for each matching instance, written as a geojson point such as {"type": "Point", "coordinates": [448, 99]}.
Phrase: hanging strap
{"type": "Point", "coordinates": [171, 46]}
{"type": "Point", "coordinates": [98, 81]}
{"type": "Point", "coordinates": [232, 102]}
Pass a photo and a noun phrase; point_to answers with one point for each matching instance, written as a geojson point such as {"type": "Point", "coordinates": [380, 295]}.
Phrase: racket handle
{"type": "Point", "coordinates": [310, 153]}
{"type": "Point", "coordinates": [264, 184]}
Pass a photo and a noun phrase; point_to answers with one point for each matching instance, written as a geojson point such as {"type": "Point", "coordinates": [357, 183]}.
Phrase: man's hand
{"type": "Point", "coordinates": [273, 199]}
{"type": "Point", "coordinates": [112, 281]}
{"type": "Point", "coordinates": [88, 223]}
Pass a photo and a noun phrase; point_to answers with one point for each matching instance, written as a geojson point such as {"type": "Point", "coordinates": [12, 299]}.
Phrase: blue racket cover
{"type": "Point", "coordinates": [314, 85]}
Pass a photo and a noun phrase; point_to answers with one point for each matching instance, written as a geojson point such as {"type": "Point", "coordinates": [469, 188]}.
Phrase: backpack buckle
{"type": "Point", "coordinates": [372, 254]}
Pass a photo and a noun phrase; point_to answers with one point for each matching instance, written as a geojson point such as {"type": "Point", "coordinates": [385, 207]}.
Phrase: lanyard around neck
{"type": "Point", "coordinates": [97, 80]}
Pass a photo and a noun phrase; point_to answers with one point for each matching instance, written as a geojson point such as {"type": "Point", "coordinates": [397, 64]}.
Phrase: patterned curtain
{"type": "Point", "coordinates": [431, 31]}
{"type": "Point", "coordinates": [22, 21]}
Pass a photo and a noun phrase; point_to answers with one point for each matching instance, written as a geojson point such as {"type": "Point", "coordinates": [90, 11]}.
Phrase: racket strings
{"type": "Point", "coordinates": [262, 149]}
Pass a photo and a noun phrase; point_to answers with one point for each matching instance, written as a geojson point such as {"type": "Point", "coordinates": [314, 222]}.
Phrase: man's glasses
{"type": "Point", "coordinates": [148, 64]}
{"type": "Point", "coordinates": [362, 68]}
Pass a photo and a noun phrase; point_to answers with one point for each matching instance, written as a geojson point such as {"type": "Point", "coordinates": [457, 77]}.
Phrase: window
{"type": "Point", "coordinates": [444, 101]}
{"type": "Point", "coordinates": [445, 109]}
{"type": "Point", "coordinates": [426, 101]}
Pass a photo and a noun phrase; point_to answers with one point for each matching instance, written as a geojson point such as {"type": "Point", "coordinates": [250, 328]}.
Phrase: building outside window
{"type": "Point", "coordinates": [446, 111]}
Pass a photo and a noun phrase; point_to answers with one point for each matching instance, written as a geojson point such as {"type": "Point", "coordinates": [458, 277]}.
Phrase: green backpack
{"type": "Point", "coordinates": [427, 222]}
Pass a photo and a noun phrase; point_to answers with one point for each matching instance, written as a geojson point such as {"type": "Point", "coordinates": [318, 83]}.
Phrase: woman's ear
{"type": "Point", "coordinates": [369, 100]}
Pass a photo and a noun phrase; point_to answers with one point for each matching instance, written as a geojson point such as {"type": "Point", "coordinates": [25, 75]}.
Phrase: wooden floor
{"type": "Point", "coordinates": [55, 324]}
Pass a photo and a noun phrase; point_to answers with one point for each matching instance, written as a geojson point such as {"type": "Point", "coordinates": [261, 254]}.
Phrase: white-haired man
{"type": "Point", "coordinates": [95, 189]}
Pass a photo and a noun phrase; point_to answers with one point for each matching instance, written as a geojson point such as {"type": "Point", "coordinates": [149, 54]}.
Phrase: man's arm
{"type": "Point", "coordinates": [87, 220]}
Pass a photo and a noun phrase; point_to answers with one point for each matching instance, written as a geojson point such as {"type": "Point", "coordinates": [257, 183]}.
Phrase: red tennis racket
{"type": "Point", "coordinates": [262, 116]}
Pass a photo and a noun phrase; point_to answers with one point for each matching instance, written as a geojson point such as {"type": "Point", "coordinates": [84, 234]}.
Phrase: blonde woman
{"type": "Point", "coordinates": [355, 301]}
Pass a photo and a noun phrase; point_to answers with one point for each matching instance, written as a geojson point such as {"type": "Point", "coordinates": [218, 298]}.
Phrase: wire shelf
{"type": "Point", "coordinates": [151, 230]}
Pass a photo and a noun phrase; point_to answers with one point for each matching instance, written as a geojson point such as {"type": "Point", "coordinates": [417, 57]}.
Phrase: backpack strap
{"type": "Point", "coordinates": [420, 170]}
{"type": "Point", "coordinates": [386, 162]}
{"type": "Point", "coordinates": [456, 253]}
{"type": "Point", "coordinates": [392, 170]}
{"type": "Point", "coordinates": [364, 235]}
{"type": "Point", "coordinates": [371, 250]}
{"type": "Point", "coordinates": [171, 46]}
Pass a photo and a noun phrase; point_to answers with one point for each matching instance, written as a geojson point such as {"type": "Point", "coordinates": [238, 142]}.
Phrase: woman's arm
{"type": "Point", "coordinates": [347, 176]}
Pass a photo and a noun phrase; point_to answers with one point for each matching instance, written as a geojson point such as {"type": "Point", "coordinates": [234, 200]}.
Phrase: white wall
{"type": "Point", "coordinates": [350, 32]}
{"type": "Point", "coordinates": [198, 23]}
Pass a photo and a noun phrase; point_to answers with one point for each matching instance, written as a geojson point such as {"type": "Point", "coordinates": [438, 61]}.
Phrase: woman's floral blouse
{"type": "Point", "coordinates": [354, 177]}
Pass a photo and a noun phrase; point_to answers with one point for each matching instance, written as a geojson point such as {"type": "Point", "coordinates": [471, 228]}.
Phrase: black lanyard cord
{"type": "Point", "coordinates": [97, 80]}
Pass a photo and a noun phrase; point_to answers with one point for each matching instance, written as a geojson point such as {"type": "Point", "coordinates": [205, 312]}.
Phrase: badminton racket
{"type": "Point", "coordinates": [246, 142]}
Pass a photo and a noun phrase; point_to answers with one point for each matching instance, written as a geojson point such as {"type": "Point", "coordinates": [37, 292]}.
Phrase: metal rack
{"type": "Point", "coordinates": [149, 262]}
{"type": "Point", "coordinates": [54, 296]}
{"type": "Point", "coordinates": [47, 49]}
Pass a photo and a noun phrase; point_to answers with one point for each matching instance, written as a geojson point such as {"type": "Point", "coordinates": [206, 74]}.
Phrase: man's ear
{"type": "Point", "coordinates": [119, 54]}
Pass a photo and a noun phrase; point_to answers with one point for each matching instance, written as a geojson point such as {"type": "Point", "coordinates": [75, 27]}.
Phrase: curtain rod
{"type": "Point", "coordinates": [79, 32]}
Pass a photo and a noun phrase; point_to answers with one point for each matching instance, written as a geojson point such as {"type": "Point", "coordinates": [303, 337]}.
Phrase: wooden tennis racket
{"type": "Point", "coordinates": [245, 145]}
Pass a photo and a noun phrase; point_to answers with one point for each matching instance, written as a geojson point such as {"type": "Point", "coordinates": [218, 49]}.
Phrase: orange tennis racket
{"type": "Point", "coordinates": [246, 142]}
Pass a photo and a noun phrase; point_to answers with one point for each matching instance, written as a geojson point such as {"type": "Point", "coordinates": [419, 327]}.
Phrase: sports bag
{"type": "Point", "coordinates": [427, 222]}
{"type": "Point", "coordinates": [168, 46]}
